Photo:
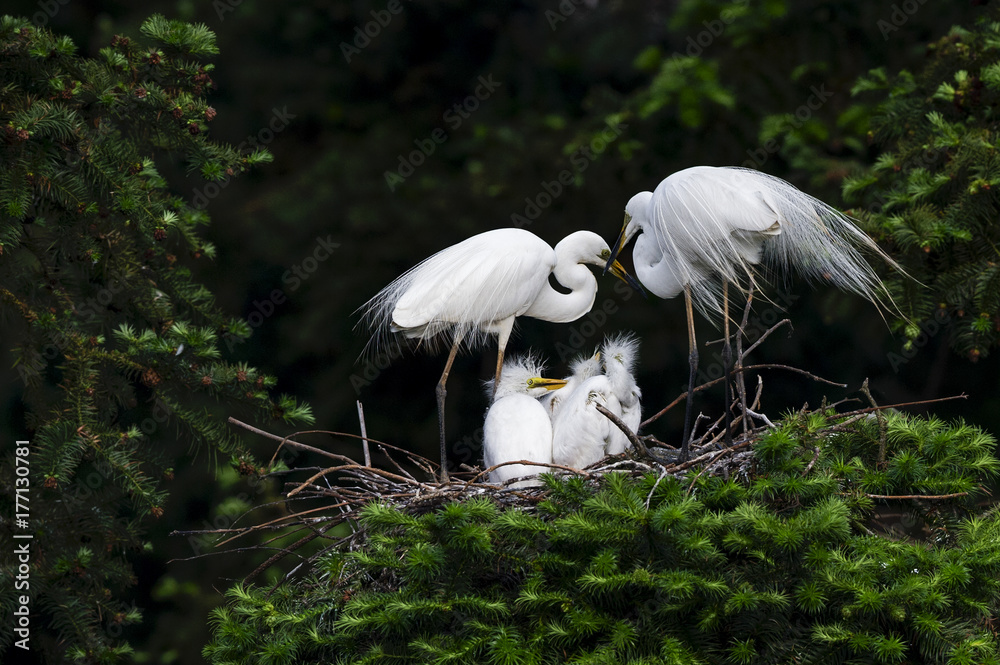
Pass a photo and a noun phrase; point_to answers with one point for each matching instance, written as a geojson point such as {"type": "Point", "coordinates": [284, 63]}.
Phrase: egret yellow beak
{"type": "Point", "coordinates": [548, 384]}
{"type": "Point", "coordinates": [618, 270]}
{"type": "Point", "coordinates": [619, 244]}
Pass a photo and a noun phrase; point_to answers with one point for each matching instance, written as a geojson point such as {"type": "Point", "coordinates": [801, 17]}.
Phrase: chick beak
{"type": "Point", "coordinates": [548, 384]}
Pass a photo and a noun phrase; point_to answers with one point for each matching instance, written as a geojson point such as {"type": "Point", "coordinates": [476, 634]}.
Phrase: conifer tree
{"type": "Point", "coordinates": [116, 346]}
{"type": "Point", "coordinates": [934, 190]}
{"type": "Point", "coordinates": [788, 562]}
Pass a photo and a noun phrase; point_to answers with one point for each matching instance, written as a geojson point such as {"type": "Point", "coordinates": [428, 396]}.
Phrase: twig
{"type": "Point", "coordinates": [907, 496]}
{"type": "Point", "coordinates": [636, 441]}
{"type": "Point", "coordinates": [364, 434]}
{"type": "Point", "coordinates": [767, 333]}
{"type": "Point", "coordinates": [881, 423]}
{"type": "Point", "coordinates": [811, 462]}
{"type": "Point", "coordinates": [897, 406]}
{"type": "Point", "coordinates": [711, 383]}
{"type": "Point", "coordinates": [485, 472]}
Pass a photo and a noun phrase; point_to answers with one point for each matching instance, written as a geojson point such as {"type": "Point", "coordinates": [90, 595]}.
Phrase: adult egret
{"type": "Point", "coordinates": [706, 227]}
{"type": "Point", "coordinates": [619, 355]}
{"type": "Point", "coordinates": [581, 369]}
{"type": "Point", "coordinates": [477, 288]}
{"type": "Point", "coordinates": [518, 426]}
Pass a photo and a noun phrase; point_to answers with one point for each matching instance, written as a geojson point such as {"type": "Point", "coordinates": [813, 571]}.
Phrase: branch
{"type": "Point", "coordinates": [636, 441]}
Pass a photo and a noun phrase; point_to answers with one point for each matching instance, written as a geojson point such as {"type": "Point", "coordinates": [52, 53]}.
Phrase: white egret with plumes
{"type": "Point", "coordinates": [478, 287]}
{"type": "Point", "coordinates": [704, 228]}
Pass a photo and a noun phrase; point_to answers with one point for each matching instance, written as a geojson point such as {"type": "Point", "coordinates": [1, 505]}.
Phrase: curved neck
{"type": "Point", "coordinates": [655, 269]}
{"type": "Point", "coordinates": [550, 305]}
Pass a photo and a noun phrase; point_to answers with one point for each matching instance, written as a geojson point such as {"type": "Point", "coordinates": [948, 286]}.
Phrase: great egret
{"type": "Point", "coordinates": [706, 227]}
{"type": "Point", "coordinates": [581, 369]}
{"type": "Point", "coordinates": [477, 288]}
{"type": "Point", "coordinates": [619, 355]}
{"type": "Point", "coordinates": [517, 425]}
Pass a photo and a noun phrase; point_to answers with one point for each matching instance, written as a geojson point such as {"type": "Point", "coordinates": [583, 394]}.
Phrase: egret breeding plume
{"type": "Point", "coordinates": [706, 227]}
{"type": "Point", "coordinates": [581, 369]}
{"type": "Point", "coordinates": [477, 288]}
{"type": "Point", "coordinates": [582, 435]}
{"type": "Point", "coordinates": [518, 426]}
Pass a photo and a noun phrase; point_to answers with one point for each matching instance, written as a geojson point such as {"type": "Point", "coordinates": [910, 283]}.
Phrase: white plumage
{"type": "Point", "coordinates": [706, 224]}
{"type": "Point", "coordinates": [581, 369]}
{"type": "Point", "coordinates": [582, 435]}
{"type": "Point", "coordinates": [517, 426]}
{"type": "Point", "coordinates": [477, 288]}
{"type": "Point", "coordinates": [704, 228]}
{"type": "Point", "coordinates": [620, 355]}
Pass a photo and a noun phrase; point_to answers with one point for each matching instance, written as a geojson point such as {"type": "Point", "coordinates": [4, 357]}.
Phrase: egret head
{"type": "Point", "coordinates": [584, 367]}
{"type": "Point", "coordinates": [523, 375]}
{"type": "Point", "coordinates": [635, 217]}
{"type": "Point", "coordinates": [589, 248]}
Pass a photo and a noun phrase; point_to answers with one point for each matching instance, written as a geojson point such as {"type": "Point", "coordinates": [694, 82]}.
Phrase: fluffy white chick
{"type": "Point", "coordinates": [517, 426]}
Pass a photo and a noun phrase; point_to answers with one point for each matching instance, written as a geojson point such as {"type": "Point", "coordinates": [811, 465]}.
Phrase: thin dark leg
{"type": "Point", "coordinates": [693, 363]}
{"type": "Point", "coordinates": [441, 393]}
{"type": "Point", "coordinates": [727, 365]}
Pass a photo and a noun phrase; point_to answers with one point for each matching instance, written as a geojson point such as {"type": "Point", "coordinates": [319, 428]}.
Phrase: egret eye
{"type": "Point", "coordinates": [605, 253]}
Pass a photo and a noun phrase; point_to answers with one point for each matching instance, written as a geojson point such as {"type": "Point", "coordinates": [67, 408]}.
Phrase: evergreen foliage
{"type": "Point", "coordinates": [933, 191]}
{"type": "Point", "coordinates": [115, 344]}
{"type": "Point", "coordinates": [782, 565]}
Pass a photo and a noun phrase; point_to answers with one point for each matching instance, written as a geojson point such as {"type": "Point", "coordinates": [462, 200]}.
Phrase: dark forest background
{"type": "Point", "coordinates": [766, 84]}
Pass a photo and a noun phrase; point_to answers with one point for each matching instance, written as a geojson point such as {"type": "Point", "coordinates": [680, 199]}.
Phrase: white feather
{"type": "Point", "coordinates": [517, 426]}
{"type": "Point", "coordinates": [705, 223]}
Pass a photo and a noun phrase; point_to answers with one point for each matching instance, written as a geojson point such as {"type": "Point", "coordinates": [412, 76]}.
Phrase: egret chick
{"type": "Point", "coordinates": [620, 355]}
{"type": "Point", "coordinates": [517, 426]}
{"type": "Point", "coordinates": [581, 434]}
{"type": "Point", "coordinates": [705, 227]}
{"type": "Point", "coordinates": [477, 288]}
{"type": "Point", "coordinates": [581, 369]}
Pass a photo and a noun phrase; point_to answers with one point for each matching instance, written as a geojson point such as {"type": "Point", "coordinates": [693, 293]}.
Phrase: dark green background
{"type": "Point", "coordinates": [561, 74]}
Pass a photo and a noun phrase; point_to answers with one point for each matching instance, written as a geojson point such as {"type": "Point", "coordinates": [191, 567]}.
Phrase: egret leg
{"type": "Point", "coordinates": [441, 393]}
{"type": "Point", "coordinates": [502, 336]}
{"type": "Point", "coordinates": [693, 363]}
{"type": "Point", "coordinates": [727, 365]}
